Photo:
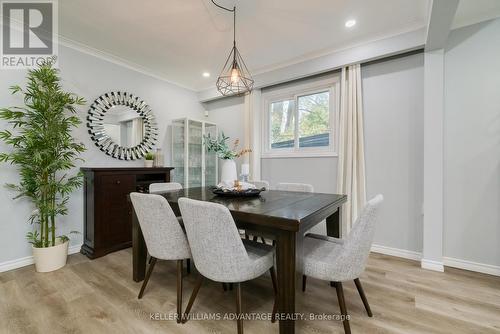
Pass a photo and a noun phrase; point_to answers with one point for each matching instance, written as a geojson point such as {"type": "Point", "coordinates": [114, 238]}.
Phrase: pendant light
{"type": "Point", "coordinates": [234, 79]}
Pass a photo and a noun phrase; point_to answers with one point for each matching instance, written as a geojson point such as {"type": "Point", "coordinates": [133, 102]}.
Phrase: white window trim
{"type": "Point", "coordinates": [333, 86]}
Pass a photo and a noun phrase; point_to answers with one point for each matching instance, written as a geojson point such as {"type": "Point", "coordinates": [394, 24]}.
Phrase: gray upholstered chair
{"type": "Point", "coordinates": [260, 184]}
{"type": "Point", "coordinates": [219, 253]}
{"type": "Point", "coordinates": [163, 235]}
{"type": "Point", "coordinates": [163, 187]}
{"type": "Point", "coordinates": [337, 260]}
{"type": "Point", "coordinates": [304, 187]}
{"type": "Point", "coordinates": [155, 188]}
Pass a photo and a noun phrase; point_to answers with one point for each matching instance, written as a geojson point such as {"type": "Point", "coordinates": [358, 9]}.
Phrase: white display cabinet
{"type": "Point", "coordinates": [194, 166]}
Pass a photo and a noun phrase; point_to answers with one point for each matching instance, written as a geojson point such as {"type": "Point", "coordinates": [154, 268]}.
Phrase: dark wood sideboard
{"type": "Point", "coordinates": [107, 214]}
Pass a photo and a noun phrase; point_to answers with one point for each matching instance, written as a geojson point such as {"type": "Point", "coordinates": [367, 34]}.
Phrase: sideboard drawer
{"type": "Point", "coordinates": [114, 189]}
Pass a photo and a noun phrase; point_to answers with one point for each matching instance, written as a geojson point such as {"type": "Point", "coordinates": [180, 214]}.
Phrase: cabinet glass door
{"type": "Point", "coordinates": [210, 158]}
{"type": "Point", "coordinates": [178, 149]}
{"type": "Point", "coordinates": [195, 163]}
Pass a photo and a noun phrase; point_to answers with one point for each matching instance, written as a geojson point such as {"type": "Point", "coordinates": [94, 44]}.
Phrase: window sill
{"type": "Point", "coordinates": [316, 154]}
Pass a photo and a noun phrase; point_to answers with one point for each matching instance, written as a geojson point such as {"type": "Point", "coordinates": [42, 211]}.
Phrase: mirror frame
{"type": "Point", "coordinates": [95, 124]}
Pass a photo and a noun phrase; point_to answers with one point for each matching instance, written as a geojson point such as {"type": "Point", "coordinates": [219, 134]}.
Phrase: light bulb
{"type": "Point", "coordinates": [235, 75]}
{"type": "Point", "coordinates": [350, 23]}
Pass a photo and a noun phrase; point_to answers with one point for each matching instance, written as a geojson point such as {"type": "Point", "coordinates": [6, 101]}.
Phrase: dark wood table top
{"type": "Point", "coordinates": [285, 210]}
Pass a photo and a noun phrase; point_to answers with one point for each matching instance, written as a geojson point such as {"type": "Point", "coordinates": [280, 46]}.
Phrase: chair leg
{"type": "Point", "coordinates": [363, 297]}
{"type": "Point", "coordinates": [255, 238]}
{"type": "Point", "coordinates": [263, 240]}
{"type": "Point", "coordinates": [343, 309]}
{"type": "Point", "coordinates": [275, 289]}
{"type": "Point", "coordinates": [304, 282]}
{"type": "Point", "coordinates": [148, 275]}
{"type": "Point", "coordinates": [179, 291]}
{"type": "Point", "coordinates": [247, 236]}
{"type": "Point", "coordinates": [239, 320]}
{"type": "Point", "coordinates": [188, 266]}
{"type": "Point", "coordinates": [192, 298]}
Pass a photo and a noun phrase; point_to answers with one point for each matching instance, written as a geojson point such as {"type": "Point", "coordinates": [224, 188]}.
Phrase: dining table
{"type": "Point", "coordinates": [284, 215]}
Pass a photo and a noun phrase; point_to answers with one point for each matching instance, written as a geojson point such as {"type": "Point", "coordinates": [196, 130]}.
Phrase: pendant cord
{"type": "Point", "coordinates": [234, 19]}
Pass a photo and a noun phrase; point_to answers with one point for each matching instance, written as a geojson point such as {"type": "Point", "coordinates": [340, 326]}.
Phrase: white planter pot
{"type": "Point", "coordinates": [148, 163]}
{"type": "Point", "coordinates": [228, 171]}
{"type": "Point", "coordinates": [51, 258]}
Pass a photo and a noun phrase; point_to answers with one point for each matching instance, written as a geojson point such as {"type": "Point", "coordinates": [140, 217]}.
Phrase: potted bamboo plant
{"type": "Point", "coordinates": [44, 151]}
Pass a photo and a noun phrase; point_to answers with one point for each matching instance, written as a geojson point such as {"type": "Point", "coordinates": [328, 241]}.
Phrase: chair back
{"type": "Point", "coordinates": [162, 232]}
{"type": "Point", "coordinates": [164, 187]}
{"type": "Point", "coordinates": [303, 187]}
{"type": "Point", "coordinates": [358, 243]}
{"type": "Point", "coordinates": [260, 184]}
{"type": "Point", "coordinates": [216, 246]}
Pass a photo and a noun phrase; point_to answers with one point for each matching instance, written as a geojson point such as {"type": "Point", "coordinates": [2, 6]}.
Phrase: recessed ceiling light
{"type": "Point", "coordinates": [350, 23]}
{"type": "Point", "coordinates": [206, 74]}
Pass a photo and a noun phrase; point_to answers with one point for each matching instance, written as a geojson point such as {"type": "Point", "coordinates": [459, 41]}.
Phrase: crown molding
{"type": "Point", "coordinates": [83, 48]}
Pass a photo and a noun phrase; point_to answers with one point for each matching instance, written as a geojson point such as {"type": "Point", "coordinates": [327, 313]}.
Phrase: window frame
{"type": "Point", "coordinates": [331, 85]}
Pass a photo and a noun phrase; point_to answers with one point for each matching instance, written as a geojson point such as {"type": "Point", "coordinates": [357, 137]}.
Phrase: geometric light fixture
{"type": "Point", "coordinates": [234, 79]}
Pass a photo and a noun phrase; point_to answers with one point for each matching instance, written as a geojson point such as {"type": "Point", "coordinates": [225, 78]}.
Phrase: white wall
{"type": "Point", "coordinates": [393, 111]}
{"type": "Point", "coordinates": [89, 77]}
{"type": "Point", "coordinates": [321, 172]}
{"type": "Point", "coordinates": [228, 115]}
{"type": "Point", "coordinates": [472, 144]}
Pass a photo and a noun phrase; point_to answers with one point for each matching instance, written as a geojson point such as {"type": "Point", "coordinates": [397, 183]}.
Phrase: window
{"type": "Point", "coordinates": [282, 123]}
{"type": "Point", "coordinates": [299, 122]}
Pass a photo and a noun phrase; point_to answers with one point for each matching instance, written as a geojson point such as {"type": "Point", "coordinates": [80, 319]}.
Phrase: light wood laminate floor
{"type": "Point", "coordinates": [99, 296]}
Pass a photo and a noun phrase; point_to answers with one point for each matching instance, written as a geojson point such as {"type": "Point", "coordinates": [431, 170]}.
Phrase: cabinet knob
{"type": "Point", "coordinates": [118, 182]}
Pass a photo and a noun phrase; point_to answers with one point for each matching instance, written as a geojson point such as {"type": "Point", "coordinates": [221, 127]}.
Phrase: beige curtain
{"type": "Point", "coordinates": [351, 163]}
{"type": "Point", "coordinates": [253, 134]}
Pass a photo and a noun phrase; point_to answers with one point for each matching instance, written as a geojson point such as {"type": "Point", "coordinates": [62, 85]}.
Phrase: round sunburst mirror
{"type": "Point", "coordinates": [122, 125]}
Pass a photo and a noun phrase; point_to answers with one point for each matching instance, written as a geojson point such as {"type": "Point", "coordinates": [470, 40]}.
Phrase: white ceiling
{"type": "Point", "coordinates": [178, 40]}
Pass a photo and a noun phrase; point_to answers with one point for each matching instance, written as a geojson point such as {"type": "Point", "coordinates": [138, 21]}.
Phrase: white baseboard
{"type": "Point", "coordinates": [28, 260]}
{"type": "Point", "coordinates": [472, 266]}
{"type": "Point", "coordinates": [406, 254]}
{"type": "Point", "coordinates": [432, 265]}
{"type": "Point", "coordinates": [436, 265]}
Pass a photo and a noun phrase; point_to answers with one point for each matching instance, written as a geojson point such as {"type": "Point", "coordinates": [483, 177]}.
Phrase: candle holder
{"type": "Point", "coordinates": [245, 172]}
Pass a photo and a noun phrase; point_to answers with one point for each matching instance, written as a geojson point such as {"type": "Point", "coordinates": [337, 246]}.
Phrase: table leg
{"type": "Point", "coordinates": [299, 246]}
{"type": "Point", "coordinates": [334, 224]}
{"type": "Point", "coordinates": [139, 250]}
{"type": "Point", "coordinates": [285, 260]}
